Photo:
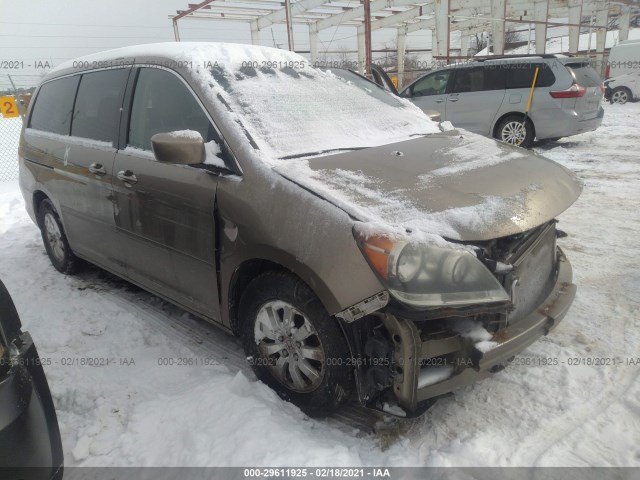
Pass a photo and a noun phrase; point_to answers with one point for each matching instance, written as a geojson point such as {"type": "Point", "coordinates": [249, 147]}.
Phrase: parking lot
{"type": "Point", "coordinates": [133, 376]}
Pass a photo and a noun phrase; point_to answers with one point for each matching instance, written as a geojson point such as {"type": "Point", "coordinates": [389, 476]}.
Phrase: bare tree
{"type": "Point", "coordinates": [389, 60]}
{"type": "Point", "coordinates": [340, 58]}
{"type": "Point", "coordinates": [511, 36]}
{"type": "Point", "coordinates": [478, 43]}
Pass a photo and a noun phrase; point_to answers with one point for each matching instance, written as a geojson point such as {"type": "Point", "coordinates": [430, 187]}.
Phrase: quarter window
{"type": "Point", "coordinates": [161, 104]}
{"type": "Point", "coordinates": [98, 102]}
{"type": "Point", "coordinates": [54, 105]}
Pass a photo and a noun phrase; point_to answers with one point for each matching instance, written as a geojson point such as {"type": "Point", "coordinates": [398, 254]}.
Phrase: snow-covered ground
{"type": "Point", "coordinates": [215, 413]}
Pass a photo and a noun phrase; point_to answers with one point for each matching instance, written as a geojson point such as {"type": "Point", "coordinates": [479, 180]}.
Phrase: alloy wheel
{"type": "Point", "coordinates": [513, 133]}
{"type": "Point", "coordinates": [54, 237]}
{"type": "Point", "coordinates": [290, 345]}
{"type": "Point", "coordinates": [619, 97]}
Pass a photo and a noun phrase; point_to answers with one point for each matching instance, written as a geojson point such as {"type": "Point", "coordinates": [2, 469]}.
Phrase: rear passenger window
{"type": "Point", "coordinates": [98, 102]}
{"type": "Point", "coordinates": [162, 103]}
{"type": "Point", "coordinates": [478, 79]}
{"type": "Point", "coordinates": [54, 105]}
{"type": "Point", "coordinates": [520, 75]}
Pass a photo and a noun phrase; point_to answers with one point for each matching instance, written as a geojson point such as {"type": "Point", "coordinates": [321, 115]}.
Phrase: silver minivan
{"type": "Point", "coordinates": [490, 97]}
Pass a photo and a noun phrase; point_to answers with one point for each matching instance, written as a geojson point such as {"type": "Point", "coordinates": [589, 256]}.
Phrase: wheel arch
{"type": "Point", "coordinates": [38, 197]}
{"type": "Point", "coordinates": [249, 268]}
{"type": "Point", "coordinates": [494, 129]}
{"type": "Point", "coordinates": [626, 89]}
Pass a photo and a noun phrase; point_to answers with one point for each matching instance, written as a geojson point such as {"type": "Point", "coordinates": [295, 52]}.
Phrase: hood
{"type": "Point", "coordinates": [458, 185]}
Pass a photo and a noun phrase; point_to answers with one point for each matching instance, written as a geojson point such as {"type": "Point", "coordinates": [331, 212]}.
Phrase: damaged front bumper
{"type": "Point", "coordinates": [426, 368]}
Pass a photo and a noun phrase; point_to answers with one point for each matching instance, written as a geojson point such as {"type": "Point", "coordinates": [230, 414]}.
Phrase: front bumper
{"type": "Point", "coordinates": [419, 378]}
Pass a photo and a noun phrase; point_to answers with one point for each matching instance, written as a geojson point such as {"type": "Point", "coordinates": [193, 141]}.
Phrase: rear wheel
{"type": "Point", "coordinates": [293, 344]}
{"type": "Point", "coordinates": [514, 130]}
{"type": "Point", "coordinates": [55, 240]}
{"type": "Point", "coordinates": [620, 95]}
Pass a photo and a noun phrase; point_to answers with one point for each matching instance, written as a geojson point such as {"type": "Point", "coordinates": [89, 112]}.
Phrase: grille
{"type": "Point", "coordinates": [533, 274]}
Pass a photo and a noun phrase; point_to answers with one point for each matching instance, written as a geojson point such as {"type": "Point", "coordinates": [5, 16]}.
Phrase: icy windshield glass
{"type": "Point", "coordinates": [293, 110]}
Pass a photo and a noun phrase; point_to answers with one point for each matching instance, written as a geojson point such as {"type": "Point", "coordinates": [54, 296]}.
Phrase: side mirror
{"type": "Point", "coordinates": [184, 147]}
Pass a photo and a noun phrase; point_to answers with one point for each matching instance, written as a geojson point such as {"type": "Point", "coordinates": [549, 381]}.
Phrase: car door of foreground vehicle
{"type": "Point", "coordinates": [164, 212]}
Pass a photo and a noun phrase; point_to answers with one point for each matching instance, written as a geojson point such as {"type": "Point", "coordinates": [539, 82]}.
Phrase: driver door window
{"type": "Point", "coordinates": [161, 104]}
{"type": "Point", "coordinates": [429, 93]}
{"type": "Point", "coordinates": [434, 84]}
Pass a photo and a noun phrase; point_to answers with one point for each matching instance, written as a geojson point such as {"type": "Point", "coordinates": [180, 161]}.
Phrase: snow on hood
{"type": "Point", "coordinates": [457, 186]}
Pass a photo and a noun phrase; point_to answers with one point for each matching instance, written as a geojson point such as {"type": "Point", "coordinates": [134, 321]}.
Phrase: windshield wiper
{"type": "Point", "coordinates": [320, 152]}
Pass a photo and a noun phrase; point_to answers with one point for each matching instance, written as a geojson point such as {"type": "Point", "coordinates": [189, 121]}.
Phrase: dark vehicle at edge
{"type": "Point", "coordinates": [30, 444]}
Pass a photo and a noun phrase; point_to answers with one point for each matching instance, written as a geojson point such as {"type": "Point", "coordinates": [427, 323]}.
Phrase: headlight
{"type": "Point", "coordinates": [424, 275]}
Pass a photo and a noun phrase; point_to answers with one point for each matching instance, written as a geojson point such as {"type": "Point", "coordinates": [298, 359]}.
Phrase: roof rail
{"type": "Point", "coordinates": [533, 55]}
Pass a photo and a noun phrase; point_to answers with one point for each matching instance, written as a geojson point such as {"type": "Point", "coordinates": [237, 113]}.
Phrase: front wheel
{"type": "Point", "coordinates": [515, 130]}
{"type": "Point", "coordinates": [293, 344]}
{"type": "Point", "coordinates": [620, 95]}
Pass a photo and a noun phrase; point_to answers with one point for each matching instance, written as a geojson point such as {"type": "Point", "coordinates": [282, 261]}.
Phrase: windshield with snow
{"type": "Point", "coordinates": [306, 111]}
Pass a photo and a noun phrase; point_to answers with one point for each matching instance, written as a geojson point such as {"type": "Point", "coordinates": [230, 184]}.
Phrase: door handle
{"type": "Point", "coordinates": [127, 177]}
{"type": "Point", "coordinates": [97, 169]}
{"type": "Point", "coordinates": [454, 99]}
{"type": "Point", "coordinates": [439, 101]}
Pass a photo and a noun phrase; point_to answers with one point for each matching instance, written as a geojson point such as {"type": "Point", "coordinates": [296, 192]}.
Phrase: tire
{"type": "Point", "coordinates": [310, 372]}
{"type": "Point", "coordinates": [620, 95]}
{"type": "Point", "coordinates": [54, 239]}
{"type": "Point", "coordinates": [508, 131]}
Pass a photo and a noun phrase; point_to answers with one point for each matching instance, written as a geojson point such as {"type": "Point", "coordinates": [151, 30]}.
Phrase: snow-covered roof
{"type": "Point", "coordinates": [180, 51]}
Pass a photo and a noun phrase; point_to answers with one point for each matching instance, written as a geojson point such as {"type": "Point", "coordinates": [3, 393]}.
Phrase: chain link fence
{"type": "Point", "coordinates": [9, 138]}
{"type": "Point", "coordinates": [13, 104]}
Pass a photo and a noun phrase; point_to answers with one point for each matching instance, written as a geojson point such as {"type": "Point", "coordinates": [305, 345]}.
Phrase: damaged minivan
{"type": "Point", "coordinates": [359, 249]}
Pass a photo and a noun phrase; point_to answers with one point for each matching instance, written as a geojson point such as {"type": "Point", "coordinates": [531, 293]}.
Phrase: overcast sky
{"type": "Point", "coordinates": [57, 30]}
